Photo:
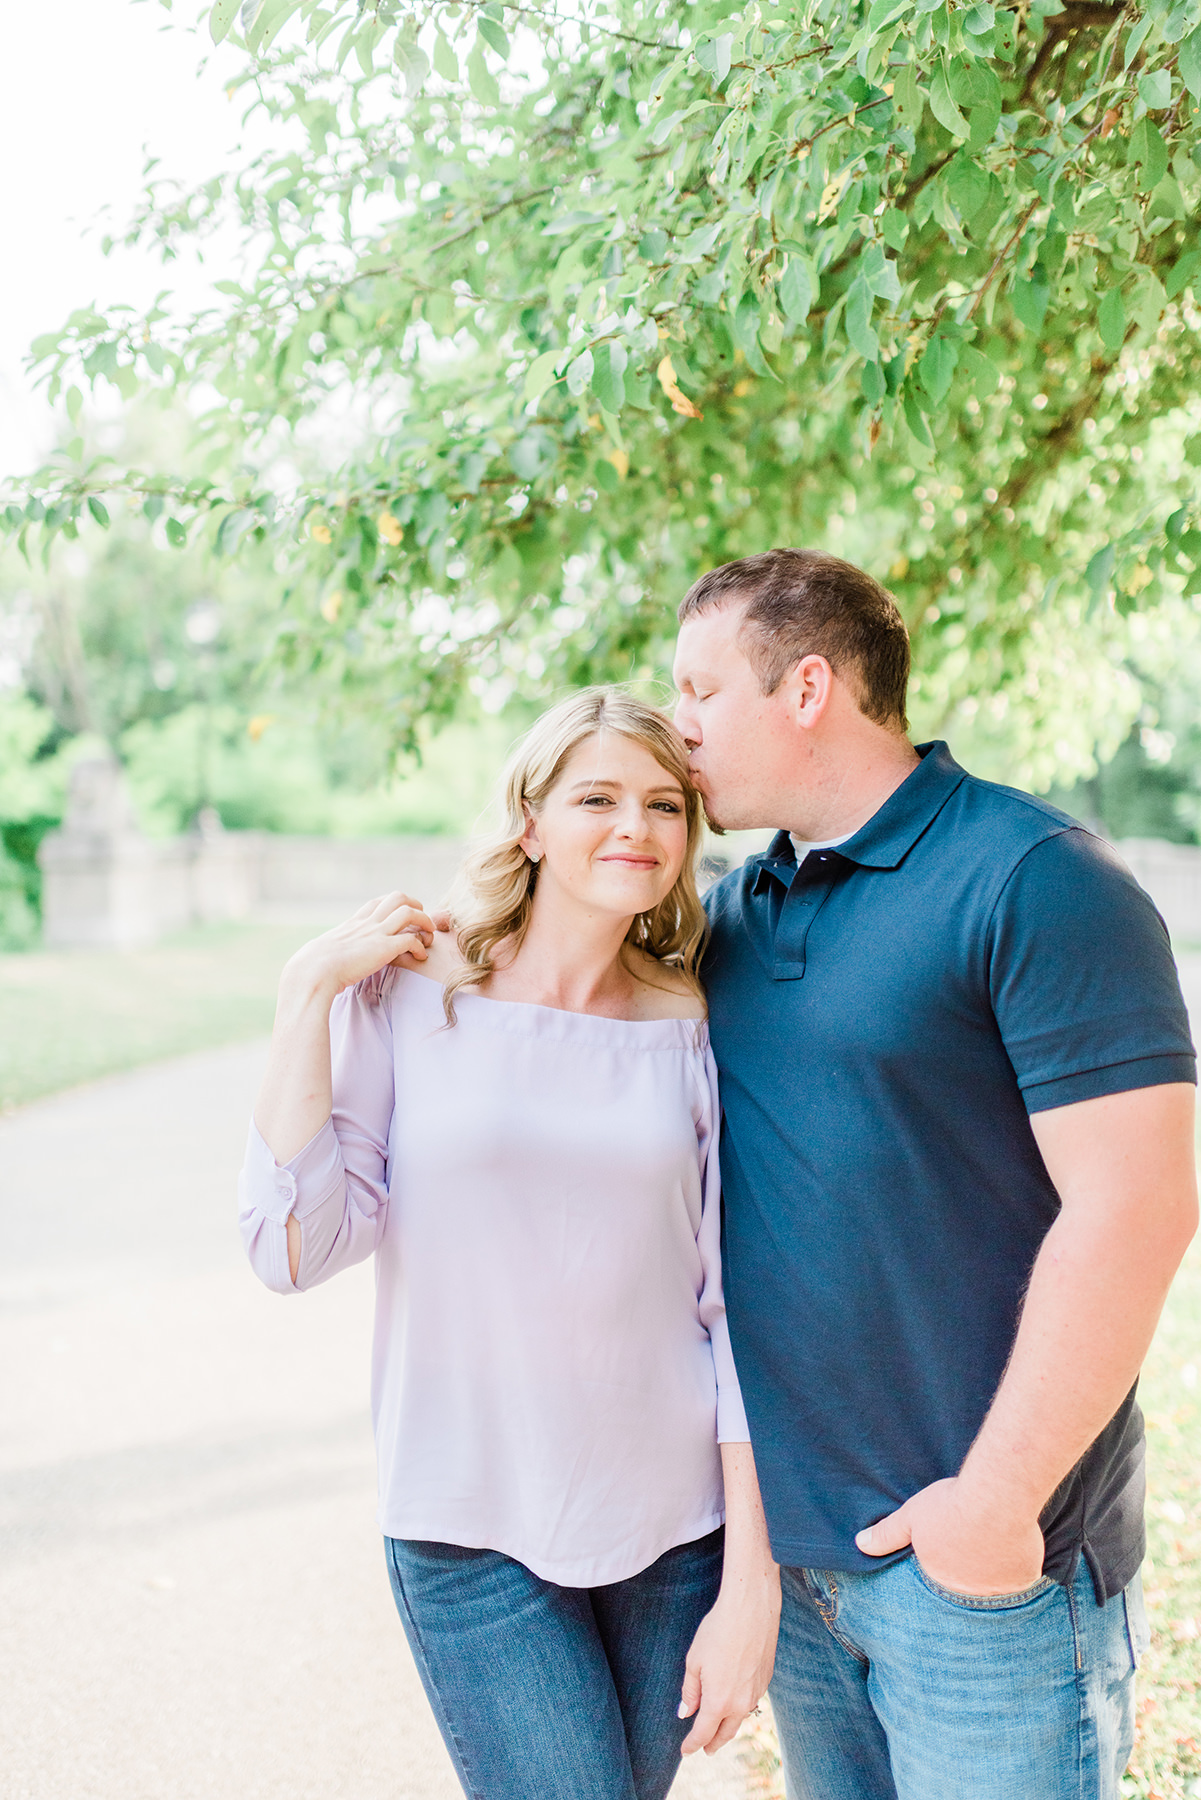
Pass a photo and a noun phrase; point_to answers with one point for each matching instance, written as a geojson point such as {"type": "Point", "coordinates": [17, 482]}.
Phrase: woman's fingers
{"type": "Point", "coordinates": [690, 1693]}
{"type": "Point", "coordinates": [409, 917]}
{"type": "Point", "coordinates": [410, 943]}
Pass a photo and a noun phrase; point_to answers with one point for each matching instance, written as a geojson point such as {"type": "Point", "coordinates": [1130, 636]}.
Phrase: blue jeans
{"type": "Point", "coordinates": [889, 1687]}
{"type": "Point", "coordinates": [555, 1692]}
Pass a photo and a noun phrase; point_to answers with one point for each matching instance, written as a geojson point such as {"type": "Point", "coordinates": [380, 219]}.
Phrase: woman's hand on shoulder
{"type": "Point", "coordinates": [390, 929]}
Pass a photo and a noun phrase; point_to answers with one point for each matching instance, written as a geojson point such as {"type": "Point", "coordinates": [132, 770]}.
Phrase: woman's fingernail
{"type": "Point", "coordinates": [681, 1711]}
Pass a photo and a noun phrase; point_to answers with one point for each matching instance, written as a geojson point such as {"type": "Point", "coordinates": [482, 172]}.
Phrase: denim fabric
{"type": "Point", "coordinates": [563, 1693]}
{"type": "Point", "coordinates": [889, 1687]}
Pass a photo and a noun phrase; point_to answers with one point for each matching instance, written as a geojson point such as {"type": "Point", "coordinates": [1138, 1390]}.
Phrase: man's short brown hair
{"type": "Point", "coordinates": [806, 603]}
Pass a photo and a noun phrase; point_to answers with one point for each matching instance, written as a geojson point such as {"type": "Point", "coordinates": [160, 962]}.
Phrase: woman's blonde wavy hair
{"type": "Point", "coordinates": [493, 897]}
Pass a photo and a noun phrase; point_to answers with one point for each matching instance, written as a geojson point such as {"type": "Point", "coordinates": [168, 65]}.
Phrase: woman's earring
{"type": "Point", "coordinates": [535, 856]}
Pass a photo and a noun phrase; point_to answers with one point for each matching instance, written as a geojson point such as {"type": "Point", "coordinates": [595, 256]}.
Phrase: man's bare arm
{"type": "Point", "coordinates": [1124, 1168]}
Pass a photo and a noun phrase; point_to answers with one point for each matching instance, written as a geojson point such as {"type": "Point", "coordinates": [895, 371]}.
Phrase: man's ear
{"type": "Point", "coordinates": [808, 687]}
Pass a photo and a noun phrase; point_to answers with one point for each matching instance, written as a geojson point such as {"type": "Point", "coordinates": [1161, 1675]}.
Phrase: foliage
{"type": "Point", "coordinates": [32, 790]}
{"type": "Point", "coordinates": [616, 292]}
{"type": "Point", "coordinates": [287, 775]}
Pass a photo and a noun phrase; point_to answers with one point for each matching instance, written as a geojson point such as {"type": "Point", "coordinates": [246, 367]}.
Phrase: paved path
{"type": "Point", "coordinates": [192, 1594]}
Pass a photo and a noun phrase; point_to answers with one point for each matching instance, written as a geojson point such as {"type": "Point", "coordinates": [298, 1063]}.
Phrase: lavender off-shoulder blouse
{"type": "Point", "coordinates": [551, 1372]}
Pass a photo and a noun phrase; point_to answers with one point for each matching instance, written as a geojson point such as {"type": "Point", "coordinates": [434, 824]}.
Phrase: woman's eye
{"type": "Point", "coordinates": [596, 800]}
{"type": "Point", "coordinates": [668, 806]}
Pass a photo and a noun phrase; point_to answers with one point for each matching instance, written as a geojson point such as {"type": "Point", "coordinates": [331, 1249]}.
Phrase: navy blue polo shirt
{"type": "Point", "coordinates": [885, 1017]}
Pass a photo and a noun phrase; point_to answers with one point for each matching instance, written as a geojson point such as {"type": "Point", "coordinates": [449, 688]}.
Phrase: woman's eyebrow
{"type": "Point", "coordinates": [611, 781]}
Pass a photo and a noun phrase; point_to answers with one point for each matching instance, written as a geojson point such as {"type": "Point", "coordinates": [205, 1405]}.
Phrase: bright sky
{"type": "Point", "coordinates": [92, 85]}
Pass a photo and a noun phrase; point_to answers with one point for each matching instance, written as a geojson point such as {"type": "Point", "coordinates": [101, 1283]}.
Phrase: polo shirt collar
{"type": "Point", "coordinates": [889, 835]}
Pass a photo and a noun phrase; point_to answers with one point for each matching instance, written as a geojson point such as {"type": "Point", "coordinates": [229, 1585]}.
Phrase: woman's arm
{"type": "Point", "coordinates": [730, 1661]}
{"type": "Point", "coordinates": [296, 1097]}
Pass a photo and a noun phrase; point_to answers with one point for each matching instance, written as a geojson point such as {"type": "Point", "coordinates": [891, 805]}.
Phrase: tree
{"type": "Point", "coordinates": [617, 291]}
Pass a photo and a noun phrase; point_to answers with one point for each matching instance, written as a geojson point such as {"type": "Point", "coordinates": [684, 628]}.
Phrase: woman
{"type": "Point", "coordinates": [519, 1120]}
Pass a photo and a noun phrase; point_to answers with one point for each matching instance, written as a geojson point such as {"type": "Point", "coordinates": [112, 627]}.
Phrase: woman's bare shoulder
{"type": "Point", "coordinates": [663, 991]}
{"type": "Point", "coordinates": [441, 961]}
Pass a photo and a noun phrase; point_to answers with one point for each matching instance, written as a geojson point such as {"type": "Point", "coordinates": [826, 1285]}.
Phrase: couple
{"type": "Point", "coordinates": [956, 1155]}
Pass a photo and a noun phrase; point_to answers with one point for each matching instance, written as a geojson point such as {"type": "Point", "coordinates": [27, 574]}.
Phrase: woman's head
{"type": "Point", "coordinates": [597, 803]}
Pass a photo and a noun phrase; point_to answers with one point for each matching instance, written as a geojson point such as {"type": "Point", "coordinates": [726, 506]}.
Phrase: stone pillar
{"type": "Point", "coordinates": [100, 875]}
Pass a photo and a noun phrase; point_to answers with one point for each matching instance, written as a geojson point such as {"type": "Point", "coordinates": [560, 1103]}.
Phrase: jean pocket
{"type": "Point", "coordinates": [983, 1602]}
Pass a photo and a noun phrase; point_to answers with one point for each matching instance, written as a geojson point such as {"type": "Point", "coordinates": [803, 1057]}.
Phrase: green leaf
{"type": "Point", "coordinates": [98, 510]}
{"type": "Point", "coordinates": [907, 98]}
{"type": "Point", "coordinates": [968, 185]}
{"type": "Point", "coordinates": [221, 16]}
{"type": "Point", "coordinates": [493, 34]}
{"type": "Point", "coordinates": [480, 78]}
{"type": "Point", "coordinates": [894, 228]}
{"type": "Point", "coordinates": [608, 383]}
{"type": "Point", "coordinates": [916, 421]}
{"type": "Point", "coordinates": [1166, 202]}
{"type": "Point", "coordinates": [1183, 273]}
{"type": "Point", "coordinates": [979, 371]}
{"type": "Point", "coordinates": [747, 316]}
{"type": "Point", "coordinates": [652, 246]}
{"type": "Point", "coordinates": [579, 374]}
{"type": "Point", "coordinates": [540, 375]}
{"type": "Point", "coordinates": [796, 290]}
{"type": "Point", "coordinates": [1111, 320]}
{"type": "Point", "coordinates": [1030, 299]}
{"type": "Point", "coordinates": [177, 535]}
{"type": "Point", "coordinates": [937, 367]}
{"type": "Point", "coordinates": [974, 84]}
{"type": "Point", "coordinates": [1148, 151]}
{"type": "Point", "coordinates": [698, 244]}
{"type": "Point", "coordinates": [858, 319]}
{"type": "Point", "coordinates": [527, 455]}
{"type": "Point", "coordinates": [944, 108]}
{"type": "Point", "coordinates": [1188, 62]}
{"type": "Point", "coordinates": [1099, 575]}
{"type": "Point", "coordinates": [880, 275]}
{"type": "Point", "coordinates": [413, 64]}
{"type": "Point", "coordinates": [445, 60]}
{"type": "Point", "coordinates": [1155, 90]}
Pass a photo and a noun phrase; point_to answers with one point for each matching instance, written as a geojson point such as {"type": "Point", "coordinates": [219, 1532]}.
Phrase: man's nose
{"type": "Point", "coordinates": [686, 725]}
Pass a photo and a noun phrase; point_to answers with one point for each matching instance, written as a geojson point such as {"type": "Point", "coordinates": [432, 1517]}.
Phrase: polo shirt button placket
{"type": "Point", "coordinates": [803, 902]}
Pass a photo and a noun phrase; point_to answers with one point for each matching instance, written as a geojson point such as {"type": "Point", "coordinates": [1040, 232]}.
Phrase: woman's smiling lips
{"type": "Point", "coordinates": [635, 862]}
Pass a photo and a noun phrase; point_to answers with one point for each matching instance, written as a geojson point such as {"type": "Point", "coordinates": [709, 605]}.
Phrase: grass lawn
{"type": "Point", "coordinates": [69, 1015]}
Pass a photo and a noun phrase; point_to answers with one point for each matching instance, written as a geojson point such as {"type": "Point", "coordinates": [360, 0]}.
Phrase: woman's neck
{"type": "Point", "coordinates": [570, 958]}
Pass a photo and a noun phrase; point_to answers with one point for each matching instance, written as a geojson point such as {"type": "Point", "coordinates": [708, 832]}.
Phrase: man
{"type": "Point", "coordinates": [958, 1167]}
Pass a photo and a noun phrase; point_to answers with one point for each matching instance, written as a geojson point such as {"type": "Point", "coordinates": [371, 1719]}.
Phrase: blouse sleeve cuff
{"type": "Point", "coordinates": [298, 1186]}
{"type": "Point", "coordinates": [731, 1417]}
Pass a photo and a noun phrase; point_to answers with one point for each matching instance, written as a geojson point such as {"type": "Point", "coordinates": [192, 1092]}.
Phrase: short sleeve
{"type": "Point", "coordinates": [1082, 979]}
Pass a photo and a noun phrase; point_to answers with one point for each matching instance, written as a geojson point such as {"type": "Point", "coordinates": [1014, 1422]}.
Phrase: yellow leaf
{"type": "Point", "coordinates": [258, 725]}
{"type": "Point", "coordinates": [331, 606]}
{"type": "Point", "coordinates": [620, 461]}
{"type": "Point", "coordinates": [742, 387]}
{"type": "Point", "coordinates": [390, 528]}
{"type": "Point", "coordinates": [680, 402]}
{"type": "Point", "coordinates": [321, 534]}
{"type": "Point", "coordinates": [899, 569]}
{"type": "Point", "coordinates": [831, 195]}
{"type": "Point", "coordinates": [1139, 578]}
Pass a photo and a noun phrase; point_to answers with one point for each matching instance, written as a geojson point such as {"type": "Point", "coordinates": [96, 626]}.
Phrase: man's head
{"type": "Point", "coordinates": [792, 668]}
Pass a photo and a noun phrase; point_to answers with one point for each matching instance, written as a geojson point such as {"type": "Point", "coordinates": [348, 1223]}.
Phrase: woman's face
{"type": "Point", "coordinates": [613, 830]}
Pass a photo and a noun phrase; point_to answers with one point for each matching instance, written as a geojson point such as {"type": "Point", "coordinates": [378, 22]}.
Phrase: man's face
{"type": "Point", "coordinates": [743, 742]}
